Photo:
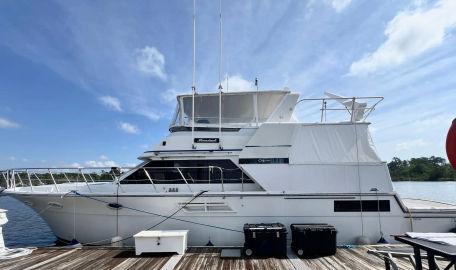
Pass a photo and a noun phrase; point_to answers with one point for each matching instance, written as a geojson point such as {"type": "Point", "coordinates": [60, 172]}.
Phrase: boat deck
{"type": "Point", "coordinates": [352, 258]}
{"type": "Point", "coordinates": [421, 205]}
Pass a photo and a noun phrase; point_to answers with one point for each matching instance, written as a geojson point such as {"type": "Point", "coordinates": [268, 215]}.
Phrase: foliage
{"type": "Point", "coordinates": [421, 169]}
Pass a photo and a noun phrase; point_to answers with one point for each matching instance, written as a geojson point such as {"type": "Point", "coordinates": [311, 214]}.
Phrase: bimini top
{"type": "Point", "coordinates": [238, 109]}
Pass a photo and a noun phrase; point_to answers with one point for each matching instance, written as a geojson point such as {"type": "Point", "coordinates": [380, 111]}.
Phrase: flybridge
{"type": "Point", "coordinates": [234, 109]}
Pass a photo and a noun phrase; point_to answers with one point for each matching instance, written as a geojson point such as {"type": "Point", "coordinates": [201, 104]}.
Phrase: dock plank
{"type": "Point", "coordinates": [105, 258]}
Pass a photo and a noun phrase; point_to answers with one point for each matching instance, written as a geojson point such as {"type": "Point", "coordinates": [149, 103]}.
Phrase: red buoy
{"type": "Point", "coordinates": [451, 144]}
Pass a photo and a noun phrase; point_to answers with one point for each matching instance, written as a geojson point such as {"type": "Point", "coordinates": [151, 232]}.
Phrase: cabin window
{"type": "Point", "coordinates": [194, 171]}
{"type": "Point", "coordinates": [367, 206]}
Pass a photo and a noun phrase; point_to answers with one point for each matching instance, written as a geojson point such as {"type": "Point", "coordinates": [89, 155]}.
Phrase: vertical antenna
{"type": "Point", "coordinates": [193, 72]}
{"type": "Point", "coordinates": [256, 101]}
{"type": "Point", "coordinates": [220, 74]}
{"type": "Point", "coordinates": [221, 44]}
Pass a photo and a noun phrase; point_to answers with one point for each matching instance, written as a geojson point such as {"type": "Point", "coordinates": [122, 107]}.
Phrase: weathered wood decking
{"type": "Point", "coordinates": [194, 259]}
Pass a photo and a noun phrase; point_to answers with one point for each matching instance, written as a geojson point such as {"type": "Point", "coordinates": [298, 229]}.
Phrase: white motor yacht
{"type": "Point", "coordinates": [234, 158]}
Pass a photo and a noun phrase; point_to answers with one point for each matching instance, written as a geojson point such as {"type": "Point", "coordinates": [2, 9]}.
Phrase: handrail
{"type": "Point", "coordinates": [56, 176]}
{"type": "Point", "coordinates": [367, 110]}
{"type": "Point", "coordinates": [150, 179]}
{"type": "Point", "coordinates": [179, 170]}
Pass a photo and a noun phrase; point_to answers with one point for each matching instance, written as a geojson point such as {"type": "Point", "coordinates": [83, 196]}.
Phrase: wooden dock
{"type": "Point", "coordinates": [194, 259]}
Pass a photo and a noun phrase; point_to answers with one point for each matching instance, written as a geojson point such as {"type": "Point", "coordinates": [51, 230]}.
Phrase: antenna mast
{"type": "Point", "coordinates": [220, 74]}
{"type": "Point", "coordinates": [193, 72]}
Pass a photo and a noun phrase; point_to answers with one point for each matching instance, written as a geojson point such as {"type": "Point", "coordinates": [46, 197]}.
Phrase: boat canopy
{"type": "Point", "coordinates": [237, 108]}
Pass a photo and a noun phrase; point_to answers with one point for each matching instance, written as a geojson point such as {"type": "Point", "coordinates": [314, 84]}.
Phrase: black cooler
{"type": "Point", "coordinates": [313, 240]}
{"type": "Point", "coordinates": [265, 239]}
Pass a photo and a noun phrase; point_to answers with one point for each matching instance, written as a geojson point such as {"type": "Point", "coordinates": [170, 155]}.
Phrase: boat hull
{"type": "Point", "coordinates": [96, 219]}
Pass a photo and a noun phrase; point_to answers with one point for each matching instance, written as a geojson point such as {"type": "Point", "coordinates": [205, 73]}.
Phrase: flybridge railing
{"type": "Point", "coordinates": [358, 108]}
{"type": "Point", "coordinates": [33, 177]}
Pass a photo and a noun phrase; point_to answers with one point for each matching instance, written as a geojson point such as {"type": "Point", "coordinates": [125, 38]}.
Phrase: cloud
{"type": "Point", "coordinates": [101, 163]}
{"type": "Point", "coordinates": [151, 62]}
{"type": "Point", "coordinates": [103, 157]}
{"type": "Point", "coordinates": [75, 165]}
{"type": "Point", "coordinates": [409, 34]}
{"type": "Point", "coordinates": [111, 102]}
{"type": "Point", "coordinates": [129, 128]}
{"type": "Point", "coordinates": [411, 144]}
{"type": "Point", "coordinates": [236, 83]}
{"type": "Point", "coordinates": [12, 158]}
{"type": "Point", "coordinates": [6, 124]}
{"type": "Point", "coordinates": [339, 5]}
{"type": "Point", "coordinates": [169, 95]}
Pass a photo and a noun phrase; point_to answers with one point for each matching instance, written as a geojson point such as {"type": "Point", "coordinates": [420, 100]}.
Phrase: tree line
{"type": "Point", "coordinates": [421, 169]}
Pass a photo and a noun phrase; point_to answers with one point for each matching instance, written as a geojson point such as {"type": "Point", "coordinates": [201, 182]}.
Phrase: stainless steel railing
{"type": "Point", "coordinates": [179, 173]}
{"type": "Point", "coordinates": [354, 106]}
{"type": "Point", "coordinates": [32, 177]}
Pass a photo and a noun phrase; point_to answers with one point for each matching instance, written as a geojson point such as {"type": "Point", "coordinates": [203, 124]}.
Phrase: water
{"type": "Point", "coordinates": [434, 191]}
{"type": "Point", "coordinates": [26, 228]}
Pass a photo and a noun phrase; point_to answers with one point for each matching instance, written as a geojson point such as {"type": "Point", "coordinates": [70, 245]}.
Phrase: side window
{"type": "Point", "coordinates": [194, 172]}
{"type": "Point", "coordinates": [367, 206]}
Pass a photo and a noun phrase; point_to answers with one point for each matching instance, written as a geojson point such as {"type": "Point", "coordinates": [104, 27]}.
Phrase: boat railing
{"type": "Point", "coordinates": [33, 177]}
{"type": "Point", "coordinates": [181, 175]}
{"type": "Point", "coordinates": [358, 109]}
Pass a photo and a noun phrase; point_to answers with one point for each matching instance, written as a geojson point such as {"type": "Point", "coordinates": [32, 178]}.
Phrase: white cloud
{"type": "Point", "coordinates": [103, 157]}
{"type": "Point", "coordinates": [169, 95]}
{"type": "Point", "coordinates": [5, 123]}
{"type": "Point", "coordinates": [12, 158]}
{"type": "Point", "coordinates": [75, 165]}
{"type": "Point", "coordinates": [129, 128]}
{"type": "Point", "coordinates": [411, 144]}
{"type": "Point", "coordinates": [102, 163]}
{"type": "Point", "coordinates": [130, 164]}
{"type": "Point", "coordinates": [111, 102]}
{"type": "Point", "coordinates": [339, 5]}
{"type": "Point", "coordinates": [409, 34]}
{"type": "Point", "coordinates": [237, 83]}
{"type": "Point", "coordinates": [24, 160]}
{"type": "Point", "coordinates": [151, 62]}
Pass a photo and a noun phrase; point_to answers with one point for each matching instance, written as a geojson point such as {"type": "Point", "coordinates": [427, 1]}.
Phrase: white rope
{"type": "Point", "coordinates": [10, 253]}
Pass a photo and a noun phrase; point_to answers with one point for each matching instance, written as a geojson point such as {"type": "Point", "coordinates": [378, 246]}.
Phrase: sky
{"type": "Point", "coordinates": [93, 83]}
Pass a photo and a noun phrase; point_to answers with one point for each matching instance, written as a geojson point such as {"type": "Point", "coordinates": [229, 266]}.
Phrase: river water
{"type": "Point", "coordinates": [26, 228]}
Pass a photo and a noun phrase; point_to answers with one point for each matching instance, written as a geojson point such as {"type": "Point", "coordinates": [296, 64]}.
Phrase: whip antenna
{"type": "Point", "coordinates": [221, 45]}
{"type": "Point", "coordinates": [220, 73]}
{"type": "Point", "coordinates": [193, 72]}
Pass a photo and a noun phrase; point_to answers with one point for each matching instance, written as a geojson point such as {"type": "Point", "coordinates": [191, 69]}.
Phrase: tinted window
{"type": "Point", "coordinates": [367, 205]}
{"type": "Point", "coordinates": [194, 171]}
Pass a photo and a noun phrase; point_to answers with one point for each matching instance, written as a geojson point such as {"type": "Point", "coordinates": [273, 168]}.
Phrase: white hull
{"type": "Point", "coordinates": [92, 221]}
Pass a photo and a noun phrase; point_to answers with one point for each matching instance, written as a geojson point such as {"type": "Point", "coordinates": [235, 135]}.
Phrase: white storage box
{"type": "Point", "coordinates": [161, 241]}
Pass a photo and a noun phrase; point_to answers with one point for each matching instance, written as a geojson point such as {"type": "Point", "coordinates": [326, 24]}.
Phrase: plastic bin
{"type": "Point", "coordinates": [313, 240]}
{"type": "Point", "coordinates": [265, 239]}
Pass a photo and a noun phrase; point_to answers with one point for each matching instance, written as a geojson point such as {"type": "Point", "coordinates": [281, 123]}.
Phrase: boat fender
{"type": "Point", "coordinates": [451, 144]}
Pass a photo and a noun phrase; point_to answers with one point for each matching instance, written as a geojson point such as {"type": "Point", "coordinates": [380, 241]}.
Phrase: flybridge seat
{"type": "Point", "coordinates": [238, 109]}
